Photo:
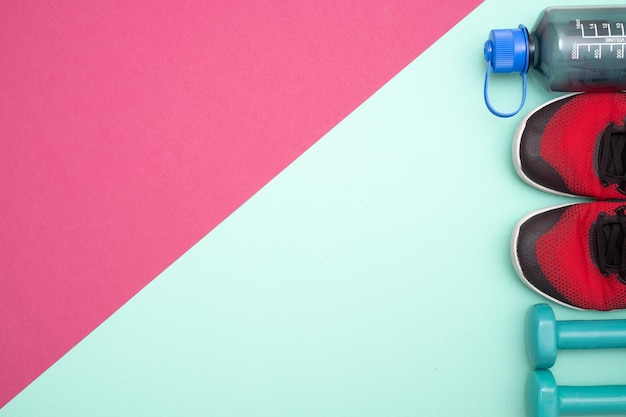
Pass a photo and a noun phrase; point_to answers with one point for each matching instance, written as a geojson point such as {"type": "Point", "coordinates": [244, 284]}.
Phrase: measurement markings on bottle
{"type": "Point", "coordinates": [600, 39]}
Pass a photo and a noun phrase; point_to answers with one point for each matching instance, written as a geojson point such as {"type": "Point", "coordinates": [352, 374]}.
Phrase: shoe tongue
{"type": "Point", "coordinates": [614, 251]}
{"type": "Point", "coordinates": [612, 155]}
{"type": "Point", "coordinates": [609, 240]}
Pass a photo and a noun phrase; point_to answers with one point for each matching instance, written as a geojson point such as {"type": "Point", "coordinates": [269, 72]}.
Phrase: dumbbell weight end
{"type": "Point", "coordinates": [541, 336]}
{"type": "Point", "coordinates": [544, 398]}
{"type": "Point", "coordinates": [545, 335]}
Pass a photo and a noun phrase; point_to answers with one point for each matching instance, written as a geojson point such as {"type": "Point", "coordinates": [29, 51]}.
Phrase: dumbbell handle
{"type": "Point", "coordinates": [608, 399]}
{"type": "Point", "coordinates": [596, 334]}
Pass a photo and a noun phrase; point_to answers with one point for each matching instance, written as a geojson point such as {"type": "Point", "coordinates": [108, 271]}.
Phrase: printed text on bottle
{"type": "Point", "coordinates": [605, 35]}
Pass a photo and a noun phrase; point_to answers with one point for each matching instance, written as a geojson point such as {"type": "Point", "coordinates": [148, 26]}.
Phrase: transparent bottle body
{"type": "Point", "coordinates": [580, 48]}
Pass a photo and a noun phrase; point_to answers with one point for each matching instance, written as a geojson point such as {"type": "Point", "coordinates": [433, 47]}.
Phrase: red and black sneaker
{"type": "Point", "coordinates": [575, 255]}
{"type": "Point", "coordinates": [575, 145]}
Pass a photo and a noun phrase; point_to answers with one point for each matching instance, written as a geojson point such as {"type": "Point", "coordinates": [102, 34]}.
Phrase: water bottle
{"type": "Point", "coordinates": [569, 49]}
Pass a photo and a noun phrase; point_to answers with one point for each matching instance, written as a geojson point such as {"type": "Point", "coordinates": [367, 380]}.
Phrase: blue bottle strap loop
{"type": "Point", "coordinates": [507, 51]}
{"type": "Point", "coordinates": [488, 102]}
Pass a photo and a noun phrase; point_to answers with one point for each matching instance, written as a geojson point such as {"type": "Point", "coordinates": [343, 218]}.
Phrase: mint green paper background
{"type": "Point", "coordinates": [371, 278]}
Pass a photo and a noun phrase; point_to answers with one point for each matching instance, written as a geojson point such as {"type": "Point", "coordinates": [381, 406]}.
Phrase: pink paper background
{"type": "Point", "coordinates": [131, 129]}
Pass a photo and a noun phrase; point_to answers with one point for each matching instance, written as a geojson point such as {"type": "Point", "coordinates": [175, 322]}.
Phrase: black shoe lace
{"type": "Point", "coordinates": [610, 234]}
{"type": "Point", "coordinates": [612, 157]}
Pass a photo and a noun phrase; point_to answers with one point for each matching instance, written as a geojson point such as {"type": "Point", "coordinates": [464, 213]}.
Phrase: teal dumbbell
{"type": "Point", "coordinates": [544, 398]}
{"type": "Point", "coordinates": [545, 335]}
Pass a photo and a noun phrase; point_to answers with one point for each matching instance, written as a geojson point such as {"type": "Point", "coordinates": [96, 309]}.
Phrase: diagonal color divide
{"type": "Point", "coordinates": [131, 129]}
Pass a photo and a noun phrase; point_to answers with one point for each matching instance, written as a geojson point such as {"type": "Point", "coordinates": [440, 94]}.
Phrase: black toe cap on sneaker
{"type": "Point", "coordinates": [524, 252]}
{"type": "Point", "coordinates": [529, 164]}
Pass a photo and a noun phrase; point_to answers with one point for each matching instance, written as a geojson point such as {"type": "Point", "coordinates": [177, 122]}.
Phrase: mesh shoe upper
{"type": "Point", "coordinates": [575, 146]}
{"type": "Point", "coordinates": [575, 255]}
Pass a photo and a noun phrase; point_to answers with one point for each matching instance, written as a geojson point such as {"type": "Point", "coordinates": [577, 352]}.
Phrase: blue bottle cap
{"type": "Point", "coordinates": [507, 51]}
